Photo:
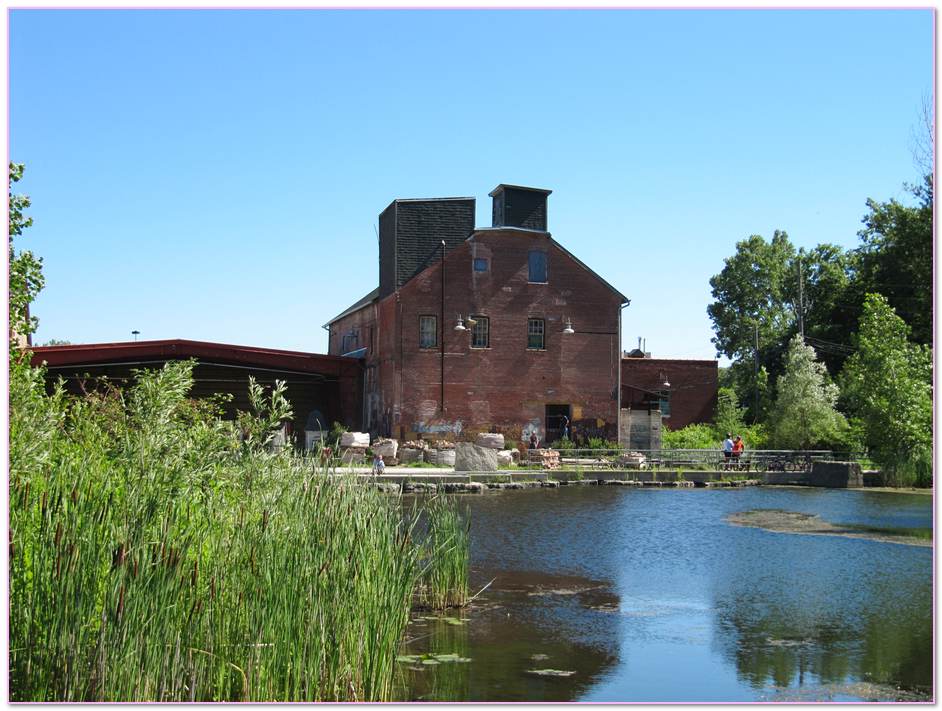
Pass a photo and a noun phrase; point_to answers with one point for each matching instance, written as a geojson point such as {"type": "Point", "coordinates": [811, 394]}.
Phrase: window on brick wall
{"type": "Point", "coordinates": [428, 331]}
{"type": "Point", "coordinates": [664, 404]}
{"type": "Point", "coordinates": [537, 267]}
{"type": "Point", "coordinates": [481, 332]}
{"type": "Point", "coordinates": [536, 333]}
{"type": "Point", "coordinates": [480, 264]}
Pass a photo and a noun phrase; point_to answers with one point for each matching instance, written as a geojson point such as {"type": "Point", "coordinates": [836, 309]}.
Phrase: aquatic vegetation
{"type": "Point", "coordinates": [550, 672]}
{"type": "Point", "coordinates": [156, 555]}
{"type": "Point", "coordinates": [444, 581]}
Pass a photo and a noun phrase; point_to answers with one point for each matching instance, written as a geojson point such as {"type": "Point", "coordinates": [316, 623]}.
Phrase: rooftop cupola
{"type": "Point", "coordinates": [517, 206]}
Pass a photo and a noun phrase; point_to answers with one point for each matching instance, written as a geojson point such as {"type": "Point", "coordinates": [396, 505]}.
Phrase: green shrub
{"type": "Point", "coordinates": [697, 436]}
{"type": "Point", "coordinates": [600, 443]}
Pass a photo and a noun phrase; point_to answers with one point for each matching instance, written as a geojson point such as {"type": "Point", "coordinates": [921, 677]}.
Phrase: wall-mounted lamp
{"type": "Point", "coordinates": [460, 324]}
{"type": "Point", "coordinates": [662, 376]}
{"type": "Point", "coordinates": [568, 330]}
{"type": "Point", "coordinates": [470, 321]}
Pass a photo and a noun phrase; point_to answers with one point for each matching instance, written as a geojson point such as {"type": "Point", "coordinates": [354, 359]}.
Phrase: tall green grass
{"type": "Point", "coordinates": [444, 578]}
{"type": "Point", "coordinates": [156, 555]}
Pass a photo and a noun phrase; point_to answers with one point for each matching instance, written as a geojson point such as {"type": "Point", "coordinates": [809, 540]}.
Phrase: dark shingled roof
{"type": "Point", "coordinates": [411, 233]}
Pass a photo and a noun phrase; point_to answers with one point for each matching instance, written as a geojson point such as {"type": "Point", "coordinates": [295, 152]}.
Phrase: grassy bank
{"type": "Point", "coordinates": [157, 554]}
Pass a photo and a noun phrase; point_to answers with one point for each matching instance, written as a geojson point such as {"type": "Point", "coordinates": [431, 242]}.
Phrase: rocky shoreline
{"type": "Point", "coordinates": [478, 487]}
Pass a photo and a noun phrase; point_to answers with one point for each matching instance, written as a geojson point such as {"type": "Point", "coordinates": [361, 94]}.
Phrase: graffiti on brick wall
{"type": "Point", "coordinates": [596, 428]}
{"type": "Point", "coordinates": [438, 427]}
{"type": "Point", "coordinates": [534, 425]}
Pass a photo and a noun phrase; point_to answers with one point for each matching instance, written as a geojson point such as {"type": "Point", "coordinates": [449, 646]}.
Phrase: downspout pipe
{"type": "Point", "coordinates": [618, 361]}
{"type": "Point", "coordinates": [441, 339]}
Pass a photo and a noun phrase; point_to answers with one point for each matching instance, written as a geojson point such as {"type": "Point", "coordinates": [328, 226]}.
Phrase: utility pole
{"type": "Point", "coordinates": [755, 417]}
{"type": "Point", "coordinates": [801, 299]}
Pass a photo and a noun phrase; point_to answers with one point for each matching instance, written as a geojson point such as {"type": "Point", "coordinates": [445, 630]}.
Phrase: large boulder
{"type": "Point", "coordinates": [505, 456]}
{"type": "Point", "coordinates": [353, 455]}
{"type": "Point", "coordinates": [440, 457]}
{"type": "Point", "coordinates": [473, 458]}
{"type": "Point", "coordinates": [355, 439]}
{"type": "Point", "coordinates": [410, 454]}
{"type": "Point", "coordinates": [632, 460]}
{"type": "Point", "coordinates": [490, 440]}
{"type": "Point", "coordinates": [385, 447]}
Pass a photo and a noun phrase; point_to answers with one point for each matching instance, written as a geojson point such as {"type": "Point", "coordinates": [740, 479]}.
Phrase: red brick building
{"type": "Point", "coordinates": [683, 390]}
{"type": "Point", "coordinates": [483, 329]}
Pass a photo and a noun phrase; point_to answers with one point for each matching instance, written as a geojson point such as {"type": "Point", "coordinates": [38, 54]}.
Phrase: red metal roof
{"type": "Point", "coordinates": [178, 349]}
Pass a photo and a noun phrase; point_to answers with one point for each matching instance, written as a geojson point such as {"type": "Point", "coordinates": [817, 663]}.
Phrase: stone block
{"type": "Point", "coordinates": [836, 475]}
{"type": "Point", "coordinates": [505, 456]}
{"type": "Point", "coordinates": [385, 448]}
{"type": "Point", "coordinates": [440, 457]}
{"type": "Point", "coordinates": [355, 439]}
{"type": "Point", "coordinates": [490, 440]}
{"type": "Point", "coordinates": [408, 454]}
{"type": "Point", "coordinates": [353, 455]}
{"type": "Point", "coordinates": [473, 458]}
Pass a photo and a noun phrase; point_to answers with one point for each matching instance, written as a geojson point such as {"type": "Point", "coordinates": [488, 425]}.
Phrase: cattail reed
{"type": "Point", "coordinates": [151, 585]}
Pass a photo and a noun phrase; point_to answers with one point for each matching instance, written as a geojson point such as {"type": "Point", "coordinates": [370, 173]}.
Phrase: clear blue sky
{"type": "Point", "coordinates": [217, 175]}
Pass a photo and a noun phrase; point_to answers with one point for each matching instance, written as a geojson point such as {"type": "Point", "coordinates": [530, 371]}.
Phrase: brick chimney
{"type": "Point", "coordinates": [517, 206]}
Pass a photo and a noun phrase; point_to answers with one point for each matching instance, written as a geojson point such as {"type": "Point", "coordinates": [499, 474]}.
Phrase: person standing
{"type": "Point", "coordinates": [727, 449]}
{"type": "Point", "coordinates": [738, 447]}
{"type": "Point", "coordinates": [534, 440]}
{"type": "Point", "coordinates": [565, 427]}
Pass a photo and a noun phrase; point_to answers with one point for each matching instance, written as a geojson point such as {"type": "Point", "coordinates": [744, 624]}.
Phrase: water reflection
{"type": "Point", "coordinates": [634, 590]}
{"type": "Point", "coordinates": [793, 611]}
{"type": "Point", "coordinates": [524, 624]}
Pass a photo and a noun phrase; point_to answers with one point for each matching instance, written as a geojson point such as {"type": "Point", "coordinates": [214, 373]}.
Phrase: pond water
{"type": "Point", "coordinates": [612, 594]}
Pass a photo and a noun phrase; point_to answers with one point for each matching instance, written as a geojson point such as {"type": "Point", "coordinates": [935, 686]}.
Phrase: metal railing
{"type": "Point", "coordinates": [785, 460]}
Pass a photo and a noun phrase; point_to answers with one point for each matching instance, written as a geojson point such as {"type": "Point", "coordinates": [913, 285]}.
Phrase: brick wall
{"type": "Point", "coordinates": [693, 387]}
{"type": "Point", "coordinates": [506, 387]}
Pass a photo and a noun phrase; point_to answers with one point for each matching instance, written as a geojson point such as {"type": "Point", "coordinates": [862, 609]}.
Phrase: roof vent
{"type": "Point", "coordinates": [517, 206]}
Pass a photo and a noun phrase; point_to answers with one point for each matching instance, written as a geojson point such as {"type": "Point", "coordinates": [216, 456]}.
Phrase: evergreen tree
{"type": "Point", "coordinates": [804, 415]}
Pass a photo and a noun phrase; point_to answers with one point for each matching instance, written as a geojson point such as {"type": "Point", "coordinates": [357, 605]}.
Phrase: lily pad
{"type": "Point", "coordinates": [550, 672]}
{"type": "Point", "coordinates": [450, 658]}
{"type": "Point", "coordinates": [453, 620]}
{"type": "Point", "coordinates": [539, 657]}
{"type": "Point", "coordinates": [430, 659]}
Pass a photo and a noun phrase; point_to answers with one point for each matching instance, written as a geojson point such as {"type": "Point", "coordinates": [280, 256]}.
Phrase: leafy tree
{"type": "Point", "coordinates": [26, 278]}
{"type": "Point", "coordinates": [804, 415]}
{"type": "Point", "coordinates": [887, 383]}
{"type": "Point", "coordinates": [753, 291]}
{"type": "Point", "coordinates": [895, 258]}
{"type": "Point", "coordinates": [57, 342]}
{"type": "Point", "coordinates": [752, 313]}
{"type": "Point", "coordinates": [729, 416]}
{"type": "Point", "coordinates": [830, 309]}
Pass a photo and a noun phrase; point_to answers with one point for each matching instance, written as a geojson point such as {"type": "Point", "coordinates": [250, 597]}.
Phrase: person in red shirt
{"type": "Point", "coordinates": [738, 447]}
